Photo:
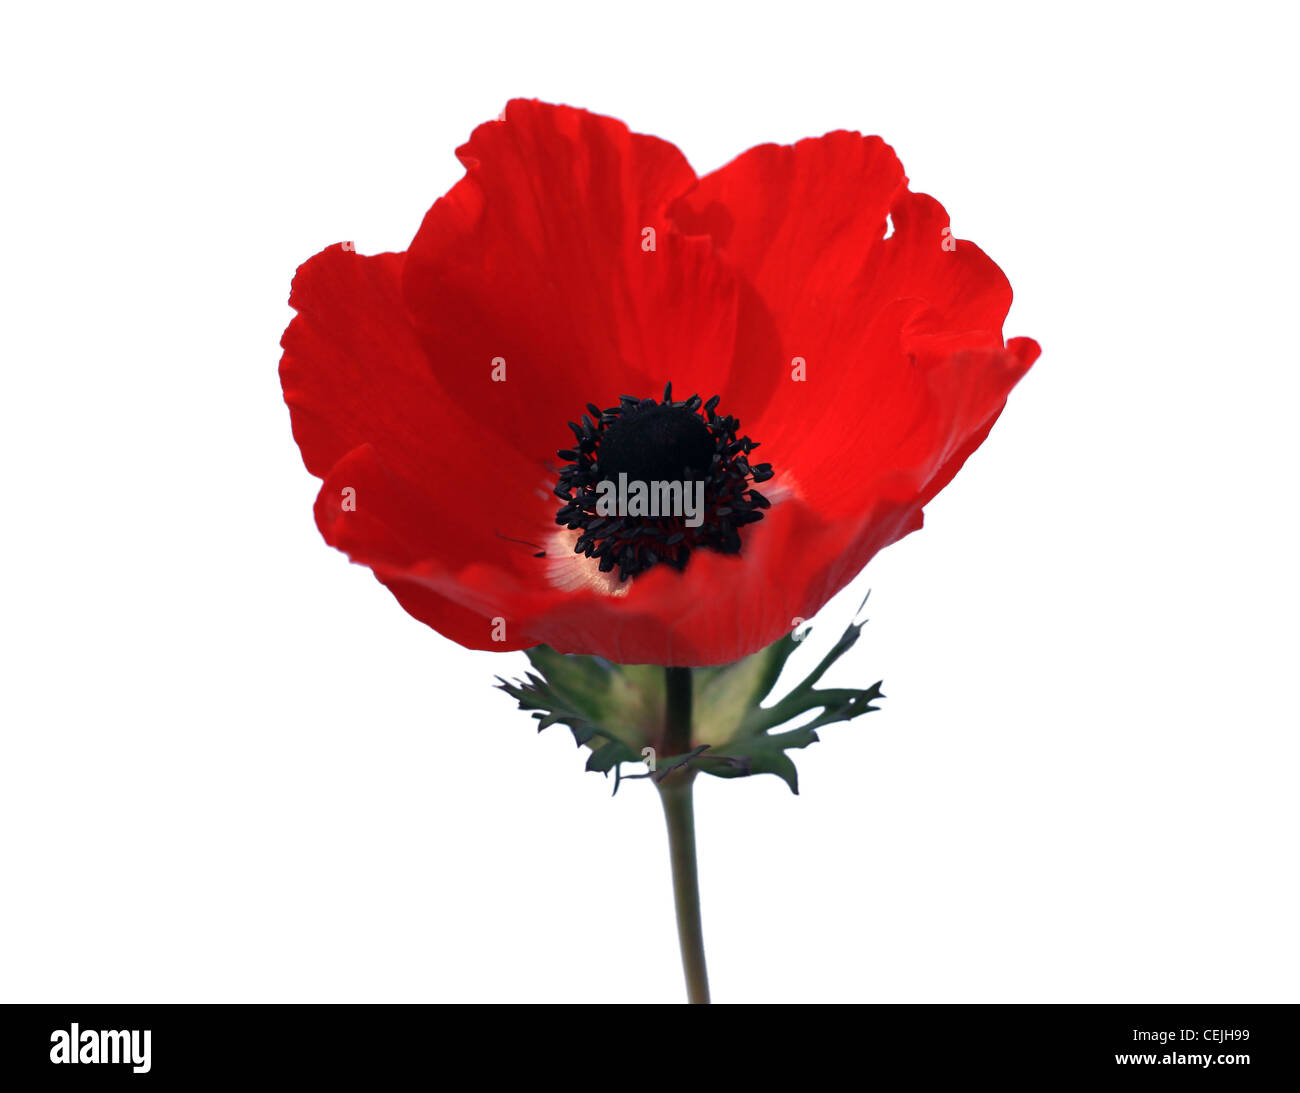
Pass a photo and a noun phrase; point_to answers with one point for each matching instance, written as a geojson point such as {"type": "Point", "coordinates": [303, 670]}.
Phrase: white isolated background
{"type": "Point", "coordinates": [233, 769]}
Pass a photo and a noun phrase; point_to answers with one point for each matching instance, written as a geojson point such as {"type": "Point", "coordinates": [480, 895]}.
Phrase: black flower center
{"type": "Point", "coordinates": [655, 442]}
{"type": "Point", "coordinates": [651, 481]}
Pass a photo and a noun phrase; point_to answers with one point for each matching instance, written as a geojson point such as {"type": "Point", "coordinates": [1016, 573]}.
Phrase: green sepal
{"type": "Point", "coordinates": [748, 745]}
{"type": "Point", "coordinates": [618, 710]}
{"type": "Point", "coordinates": [608, 708]}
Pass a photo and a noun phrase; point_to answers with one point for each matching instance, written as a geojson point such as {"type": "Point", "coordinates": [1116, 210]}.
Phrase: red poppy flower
{"type": "Point", "coordinates": [578, 269]}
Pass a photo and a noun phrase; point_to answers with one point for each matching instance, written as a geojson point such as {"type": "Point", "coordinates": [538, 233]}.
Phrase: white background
{"type": "Point", "coordinates": [233, 769]}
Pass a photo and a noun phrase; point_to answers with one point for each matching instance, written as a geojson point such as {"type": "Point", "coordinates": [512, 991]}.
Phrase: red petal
{"type": "Point", "coordinates": [798, 221]}
{"type": "Point", "coordinates": [807, 225]}
{"type": "Point", "coordinates": [369, 416]}
{"type": "Point", "coordinates": [722, 608]}
{"type": "Point", "coordinates": [536, 258]}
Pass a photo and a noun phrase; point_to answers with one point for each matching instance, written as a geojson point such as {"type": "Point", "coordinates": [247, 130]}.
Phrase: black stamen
{"type": "Point", "coordinates": [653, 442]}
{"type": "Point", "coordinates": [541, 551]}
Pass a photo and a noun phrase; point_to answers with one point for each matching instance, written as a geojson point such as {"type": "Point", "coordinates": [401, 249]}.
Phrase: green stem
{"type": "Point", "coordinates": [679, 813]}
{"type": "Point", "coordinates": [677, 711]}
